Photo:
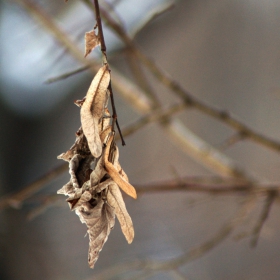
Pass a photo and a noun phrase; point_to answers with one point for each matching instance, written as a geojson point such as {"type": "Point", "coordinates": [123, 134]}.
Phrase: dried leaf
{"type": "Point", "coordinates": [105, 133]}
{"type": "Point", "coordinates": [80, 147]}
{"type": "Point", "coordinates": [156, 9]}
{"type": "Point", "coordinates": [98, 173]}
{"type": "Point", "coordinates": [122, 173]}
{"type": "Point", "coordinates": [79, 103]}
{"type": "Point", "coordinates": [118, 166]}
{"type": "Point", "coordinates": [91, 41]}
{"type": "Point", "coordinates": [73, 166]}
{"type": "Point", "coordinates": [105, 122]}
{"type": "Point", "coordinates": [67, 189]}
{"type": "Point", "coordinates": [115, 199]}
{"type": "Point", "coordinates": [75, 203]}
{"type": "Point", "coordinates": [114, 174]}
{"type": "Point", "coordinates": [100, 219]}
{"type": "Point", "coordinates": [99, 187]}
{"type": "Point", "coordinates": [84, 169]}
{"type": "Point", "coordinates": [93, 108]}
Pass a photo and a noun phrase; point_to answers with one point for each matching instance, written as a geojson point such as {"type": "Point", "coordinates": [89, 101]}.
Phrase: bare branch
{"type": "Point", "coordinates": [15, 200]}
{"type": "Point", "coordinates": [271, 195]}
{"type": "Point", "coordinates": [66, 75]}
{"type": "Point", "coordinates": [159, 115]}
{"type": "Point", "coordinates": [212, 185]}
{"type": "Point", "coordinates": [237, 137]}
{"type": "Point", "coordinates": [225, 188]}
{"type": "Point", "coordinates": [48, 202]}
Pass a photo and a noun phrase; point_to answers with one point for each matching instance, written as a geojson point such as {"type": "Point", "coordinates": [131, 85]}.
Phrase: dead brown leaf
{"type": "Point", "coordinates": [93, 108]}
{"type": "Point", "coordinates": [91, 41]}
{"type": "Point", "coordinates": [99, 217]}
{"type": "Point", "coordinates": [73, 166]}
{"type": "Point", "coordinates": [114, 174]}
{"type": "Point", "coordinates": [115, 199]}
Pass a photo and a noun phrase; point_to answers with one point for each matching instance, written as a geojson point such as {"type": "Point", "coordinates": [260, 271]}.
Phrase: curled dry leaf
{"type": "Point", "coordinates": [99, 217]}
{"type": "Point", "coordinates": [80, 147]}
{"type": "Point", "coordinates": [98, 173]}
{"type": "Point", "coordinates": [93, 108]}
{"type": "Point", "coordinates": [91, 41]}
{"type": "Point", "coordinates": [99, 187]}
{"type": "Point", "coordinates": [114, 174]}
{"type": "Point", "coordinates": [118, 166]}
{"type": "Point", "coordinates": [115, 199]}
{"type": "Point", "coordinates": [67, 189]}
{"type": "Point", "coordinates": [73, 166]}
{"type": "Point", "coordinates": [79, 201]}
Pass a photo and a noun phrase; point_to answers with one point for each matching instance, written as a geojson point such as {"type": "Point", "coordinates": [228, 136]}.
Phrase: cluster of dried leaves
{"type": "Point", "coordinates": [95, 172]}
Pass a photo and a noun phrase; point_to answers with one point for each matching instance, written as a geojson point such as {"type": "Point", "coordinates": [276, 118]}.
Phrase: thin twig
{"type": "Point", "coordinates": [208, 245]}
{"type": "Point", "coordinates": [111, 7]}
{"type": "Point", "coordinates": [237, 137]}
{"type": "Point", "coordinates": [100, 31]}
{"type": "Point", "coordinates": [226, 188]}
{"type": "Point", "coordinates": [204, 153]}
{"type": "Point", "coordinates": [15, 200]}
{"type": "Point", "coordinates": [271, 195]}
{"type": "Point", "coordinates": [157, 115]}
{"type": "Point", "coordinates": [115, 116]}
{"type": "Point", "coordinates": [104, 56]}
{"type": "Point", "coordinates": [50, 25]}
{"type": "Point", "coordinates": [66, 75]}
{"type": "Point", "coordinates": [48, 202]}
{"type": "Point", "coordinates": [140, 77]}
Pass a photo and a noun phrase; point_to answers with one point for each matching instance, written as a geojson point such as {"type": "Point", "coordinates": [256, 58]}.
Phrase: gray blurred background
{"type": "Point", "coordinates": [226, 53]}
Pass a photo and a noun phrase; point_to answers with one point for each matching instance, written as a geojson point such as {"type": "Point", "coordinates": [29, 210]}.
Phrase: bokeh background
{"type": "Point", "coordinates": [226, 53]}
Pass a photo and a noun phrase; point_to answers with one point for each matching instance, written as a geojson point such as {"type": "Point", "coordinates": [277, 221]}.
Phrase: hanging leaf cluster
{"type": "Point", "coordinates": [96, 175]}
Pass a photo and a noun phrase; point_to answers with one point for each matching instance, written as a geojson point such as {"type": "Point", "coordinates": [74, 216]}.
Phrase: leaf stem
{"type": "Point", "coordinates": [100, 31]}
{"type": "Point", "coordinates": [115, 116]}
{"type": "Point", "coordinates": [104, 57]}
